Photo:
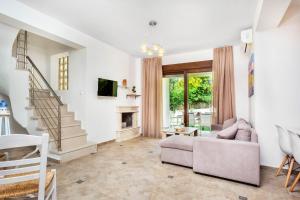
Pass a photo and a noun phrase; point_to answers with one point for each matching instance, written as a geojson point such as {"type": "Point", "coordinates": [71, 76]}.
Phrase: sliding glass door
{"type": "Point", "coordinates": [187, 100]}
{"type": "Point", "coordinates": [173, 101]}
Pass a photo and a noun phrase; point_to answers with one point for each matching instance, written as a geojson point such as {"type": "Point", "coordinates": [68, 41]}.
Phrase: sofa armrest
{"type": "Point", "coordinates": [229, 159]}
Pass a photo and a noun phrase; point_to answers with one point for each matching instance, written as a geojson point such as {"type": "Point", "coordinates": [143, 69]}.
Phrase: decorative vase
{"type": "Point", "coordinates": [124, 83]}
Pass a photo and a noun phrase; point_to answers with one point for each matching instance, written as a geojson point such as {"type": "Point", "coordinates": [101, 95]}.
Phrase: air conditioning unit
{"type": "Point", "coordinates": [247, 38]}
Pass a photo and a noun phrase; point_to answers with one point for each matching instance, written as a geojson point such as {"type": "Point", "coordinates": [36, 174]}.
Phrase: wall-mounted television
{"type": "Point", "coordinates": [107, 88]}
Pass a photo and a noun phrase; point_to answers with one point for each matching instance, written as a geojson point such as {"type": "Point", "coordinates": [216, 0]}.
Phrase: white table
{"type": "Point", "coordinates": [189, 131]}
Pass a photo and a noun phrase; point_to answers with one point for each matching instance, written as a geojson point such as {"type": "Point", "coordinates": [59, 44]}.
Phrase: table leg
{"type": "Point", "coordinates": [196, 132]}
{"type": "Point", "coordinates": [1, 121]}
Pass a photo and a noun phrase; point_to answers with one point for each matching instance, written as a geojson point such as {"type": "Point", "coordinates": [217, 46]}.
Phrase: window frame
{"type": "Point", "coordinates": [185, 69]}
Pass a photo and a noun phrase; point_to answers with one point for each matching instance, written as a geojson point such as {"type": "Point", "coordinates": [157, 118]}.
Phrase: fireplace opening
{"type": "Point", "coordinates": [127, 120]}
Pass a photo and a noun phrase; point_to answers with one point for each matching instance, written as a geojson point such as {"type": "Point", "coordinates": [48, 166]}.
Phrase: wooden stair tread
{"type": "Point", "coordinates": [62, 115]}
{"type": "Point", "coordinates": [77, 123]}
{"type": "Point", "coordinates": [39, 107]}
{"type": "Point", "coordinates": [40, 90]}
{"type": "Point", "coordinates": [67, 136]}
{"type": "Point", "coordinates": [42, 98]}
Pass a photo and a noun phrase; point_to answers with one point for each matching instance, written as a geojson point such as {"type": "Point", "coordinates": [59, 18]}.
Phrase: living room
{"type": "Point", "coordinates": [150, 100]}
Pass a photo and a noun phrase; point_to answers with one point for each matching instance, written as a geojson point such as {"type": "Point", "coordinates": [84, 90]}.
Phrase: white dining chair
{"type": "Point", "coordinates": [285, 146]}
{"type": "Point", "coordinates": [26, 176]}
{"type": "Point", "coordinates": [191, 119]}
{"type": "Point", "coordinates": [295, 143]}
{"type": "Point", "coordinates": [205, 120]}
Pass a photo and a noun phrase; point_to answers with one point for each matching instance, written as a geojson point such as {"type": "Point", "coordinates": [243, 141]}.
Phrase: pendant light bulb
{"type": "Point", "coordinates": [144, 48]}
{"type": "Point", "coordinates": [150, 53]}
{"type": "Point", "coordinates": [155, 47]}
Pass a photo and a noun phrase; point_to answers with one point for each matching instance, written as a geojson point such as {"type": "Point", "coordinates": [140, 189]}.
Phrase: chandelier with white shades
{"type": "Point", "coordinates": [151, 49]}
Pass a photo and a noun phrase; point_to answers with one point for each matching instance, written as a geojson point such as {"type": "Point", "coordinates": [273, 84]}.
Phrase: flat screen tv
{"type": "Point", "coordinates": [107, 88]}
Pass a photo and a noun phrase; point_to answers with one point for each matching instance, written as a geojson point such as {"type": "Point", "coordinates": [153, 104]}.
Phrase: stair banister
{"type": "Point", "coordinates": [57, 99]}
{"type": "Point", "coordinates": [45, 81]}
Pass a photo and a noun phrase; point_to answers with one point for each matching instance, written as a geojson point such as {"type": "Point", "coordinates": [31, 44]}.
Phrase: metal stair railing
{"type": "Point", "coordinates": [47, 106]}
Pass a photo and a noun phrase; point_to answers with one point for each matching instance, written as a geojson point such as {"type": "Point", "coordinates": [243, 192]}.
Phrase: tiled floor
{"type": "Point", "coordinates": [132, 170]}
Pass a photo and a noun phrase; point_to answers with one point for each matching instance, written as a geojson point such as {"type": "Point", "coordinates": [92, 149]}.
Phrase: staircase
{"type": "Point", "coordinates": [68, 140]}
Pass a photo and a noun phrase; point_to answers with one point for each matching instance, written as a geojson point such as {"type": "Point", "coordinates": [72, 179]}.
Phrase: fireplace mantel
{"type": "Point", "coordinates": [128, 132]}
{"type": "Point", "coordinates": [122, 109]}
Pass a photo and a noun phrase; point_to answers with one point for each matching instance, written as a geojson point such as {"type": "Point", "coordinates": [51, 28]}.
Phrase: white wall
{"type": "Point", "coordinates": [74, 96]}
{"type": "Point", "coordinates": [13, 83]}
{"type": "Point", "coordinates": [136, 75]}
{"type": "Point", "coordinates": [101, 117]}
{"type": "Point", "coordinates": [7, 37]}
{"type": "Point", "coordinates": [241, 61]}
{"type": "Point", "coordinates": [277, 98]}
{"type": "Point", "coordinates": [41, 59]}
{"type": "Point", "coordinates": [18, 93]}
{"type": "Point", "coordinates": [166, 102]}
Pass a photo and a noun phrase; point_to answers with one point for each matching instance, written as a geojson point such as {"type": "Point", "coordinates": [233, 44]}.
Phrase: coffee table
{"type": "Point", "coordinates": [189, 131]}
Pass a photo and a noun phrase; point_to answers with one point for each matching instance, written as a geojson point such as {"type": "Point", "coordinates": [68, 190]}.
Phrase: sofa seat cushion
{"type": "Point", "coordinates": [178, 142]}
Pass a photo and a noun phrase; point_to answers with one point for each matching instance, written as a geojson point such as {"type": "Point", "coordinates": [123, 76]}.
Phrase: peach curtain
{"type": "Point", "coordinates": [152, 97]}
{"type": "Point", "coordinates": [223, 85]}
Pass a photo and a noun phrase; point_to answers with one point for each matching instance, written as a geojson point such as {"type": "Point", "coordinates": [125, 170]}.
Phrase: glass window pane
{"type": "Point", "coordinates": [200, 100]}
{"type": "Point", "coordinates": [173, 100]}
{"type": "Point", "coordinates": [63, 73]}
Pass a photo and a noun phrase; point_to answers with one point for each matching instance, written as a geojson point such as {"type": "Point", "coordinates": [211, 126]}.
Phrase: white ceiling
{"type": "Point", "coordinates": [183, 25]}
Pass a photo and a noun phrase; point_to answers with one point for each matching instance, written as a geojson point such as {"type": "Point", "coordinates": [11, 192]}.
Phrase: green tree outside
{"type": "Point", "coordinates": [199, 91]}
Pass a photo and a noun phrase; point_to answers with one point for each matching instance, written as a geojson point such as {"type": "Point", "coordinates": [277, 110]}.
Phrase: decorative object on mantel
{"type": "Point", "coordinates": [133, 89]}
{"type": "Point", "coordinates": [124, 83]}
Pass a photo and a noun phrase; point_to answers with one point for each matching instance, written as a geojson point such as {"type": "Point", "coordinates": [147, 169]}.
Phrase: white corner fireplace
{"type": "Point", "coordinates": [127, 123]}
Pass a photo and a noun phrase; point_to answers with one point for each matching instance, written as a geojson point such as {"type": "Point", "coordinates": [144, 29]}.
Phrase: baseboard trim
{"type": "Point", "coordinates": [107, 142]}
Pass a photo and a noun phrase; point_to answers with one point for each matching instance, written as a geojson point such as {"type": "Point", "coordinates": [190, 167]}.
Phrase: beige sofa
{"type": "Point", "coordinates": [230, 159]}
{"type": "Point", "coordinates": [177, 149]}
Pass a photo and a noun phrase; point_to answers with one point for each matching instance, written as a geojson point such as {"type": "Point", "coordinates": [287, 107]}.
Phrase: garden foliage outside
{"type": "Point", "coordinates": [199, 91]}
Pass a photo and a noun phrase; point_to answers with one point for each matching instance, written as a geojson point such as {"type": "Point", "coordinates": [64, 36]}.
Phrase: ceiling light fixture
{"type": "Point", "coordinates": [151, 49]}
